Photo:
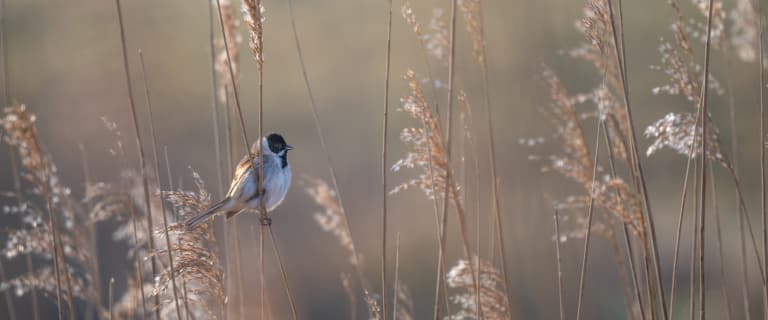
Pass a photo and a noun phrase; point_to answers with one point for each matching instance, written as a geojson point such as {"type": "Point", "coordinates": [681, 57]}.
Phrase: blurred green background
{"type": "Point", "coordinates": [64, 63]}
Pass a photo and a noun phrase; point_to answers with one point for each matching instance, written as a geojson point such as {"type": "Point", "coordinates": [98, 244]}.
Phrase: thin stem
{"type": "Point", "coordinates": [395, 298]}
{"type": "Point", "coordinates": [703, 172]}
{"type": "Point", "coordinates": [723, 279]}
{"type": "Point", "coordinates": [214, 101]}
{"type": "Point", "coordinates": [236, 252]}
{"type": "Point", "coordinates": [157, 176]}
{"type": "Point", "coordinates": [459, 210]}
{"type": "Point", "coordinates": [590, 212]}
{"type": "Point", "coordinates": [318, 128]}
{"type": "Point", "coordinates": [637, 166]}
{"type": "Point", "coordinates": [560, 286]}
{"type": "Point", "coordinates": [625, 229]}
{"type": "Point", "coordinates": [492, 156]}
{"type": "Point", "coordinates": [681, 214]}
{"type": "Point", "coordinates": [111, 296]}
{"type": "Point", "coordinates": [93, 246]}
{"type": "Point", "coordinates": [283, 274]}
{"type": "Point", "coordinates": [694, 244]}
{"type": "Point", "coordinates": [385, 127]}
{"type": "Point", "coordinates": [4, 53]}
{"type": "Point", "coordinates": [763, 203]}
{"type": "Point", "coordinates": [140, 146]}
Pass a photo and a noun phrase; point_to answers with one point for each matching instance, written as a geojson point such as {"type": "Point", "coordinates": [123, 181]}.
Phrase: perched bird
{"type": "Point", "coordinates": [242, 192]}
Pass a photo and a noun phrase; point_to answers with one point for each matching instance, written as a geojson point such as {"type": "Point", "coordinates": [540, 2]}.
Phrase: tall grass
{"type": "Point", "coordinates": [179, 273]}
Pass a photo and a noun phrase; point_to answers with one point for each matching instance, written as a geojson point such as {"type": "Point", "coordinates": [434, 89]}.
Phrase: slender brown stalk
{"type": "Point", "coordinates": [139, 266]}
{"type": "Point", "coordinates": [560, 286]}
{"type": "Point", "coordinates": [111, 297]}
{"type": "Point", "coordinates": [318, 128]}
{"type": "Point", "coordinates": [262, 285]}
{"type": "Point", "coordinates": [92, 238]}
{"type": "Point", "coordinates": [157, 176]}
{"type": "Point", "coordinates": [8, 298]}
{"type": "Point", "coordinates": [140, 146]}
{"type": "Point", "coordinates": [735, 165]}
{"type": "Point", "coordinates": [625, 229]}
{"type": "Point", "coordinates": [169, 176]}
{"type": "Point", "coordinates": [19, 202]}
{"type": "Point", "coordinates": [384, 190]}
{"type": "Point", "coordinates": [694, 244]}
{"type": "Point", "coordinates": [245, 136]}
{"type": "Point", "coordinates": [723, 279]}
{"type": "Point", "coordinates": [680, 217]}
{"type": "Point", "coordinates": [637, 167]}
{"type": "Point", "coordinates": [214, 101]}
{"type": "Point", "coordinates": [397, 276]}
{"type": "Point", "coordinates": [492, 158]}
{"type": "Point", "coordinates": [283, 274]}
{"type": "Point", "coordinates": [744, 269]}
{"type": "Point", "coordinates": [236, 252]}
{"type": "Point", "coordinates": [453, 192]}
{"type": "Point", "coordinates": [4, 46]}
{"type": "Point", "coordinates": [590, 211]}
{"type": "Point", "coordinates": [762, 157]}
{"type": "Point", "coordinates": [703, 172]}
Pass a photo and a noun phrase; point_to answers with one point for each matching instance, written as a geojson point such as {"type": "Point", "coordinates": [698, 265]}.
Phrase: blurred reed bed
{"type": "Point", "coordinates": [181, 273]}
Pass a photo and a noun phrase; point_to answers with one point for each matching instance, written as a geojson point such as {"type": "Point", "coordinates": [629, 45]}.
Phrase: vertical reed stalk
{"type": "Point", "coordinates": [492, 157]}
{"type": "Point", "coordinates": [453, 192]}
{"type": "Point", "coordinates": [140, 146]}
{"type": "Point", "coordinates": [323, 145]}
{"type": "Point", "coordinates": [625, 230]}
{"type": "Point", "coordinates": [637, 168]}
{"type": "Point", "coordinates": [384, 191]}
{"type": "Point", "coordinates": [721, 254]}
{"type": "Point", "coordinates": [93, 238]}
{"type": "Point", "coordinates": [111, 297]}
{"type": "Point", "coordinates": [703, 172]}
{"type": "Point", "coordinates": [397, 277]}
{"type": "Point", "coordinates": [560, 288]}
{"type": "Point", "coordinates": [283, 274]}
{"type": "Point", "coordinates": [590, 212]}
{"type": "Point", "coordinates": [214, 102]}
{"type": "Point", "coordinates": [157, 176]}
{"type": "Point", "coordinates": [762, 146]}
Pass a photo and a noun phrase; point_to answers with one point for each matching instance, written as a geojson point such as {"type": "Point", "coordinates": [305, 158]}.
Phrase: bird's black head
{"type": "Point", "coordinates": [277, 144]}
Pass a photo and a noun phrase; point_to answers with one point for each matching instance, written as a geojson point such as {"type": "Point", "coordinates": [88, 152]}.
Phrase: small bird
{"type": "Point", "coordinates": [242, 191]}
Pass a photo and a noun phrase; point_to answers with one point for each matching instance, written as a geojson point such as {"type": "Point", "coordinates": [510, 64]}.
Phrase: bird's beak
{"type": "Point", "coordinates": [288, 147]}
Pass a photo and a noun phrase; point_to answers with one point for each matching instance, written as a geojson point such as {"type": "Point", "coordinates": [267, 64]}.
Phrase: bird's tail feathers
{"type": "Point", "coordinates": [203, 217]}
